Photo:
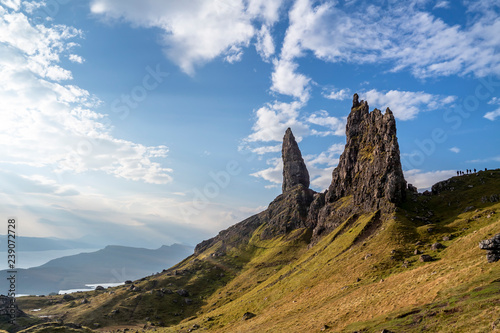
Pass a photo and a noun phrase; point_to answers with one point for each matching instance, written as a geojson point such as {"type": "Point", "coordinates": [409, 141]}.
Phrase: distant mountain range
{"type": "Point", "coordinates": [109, 265]}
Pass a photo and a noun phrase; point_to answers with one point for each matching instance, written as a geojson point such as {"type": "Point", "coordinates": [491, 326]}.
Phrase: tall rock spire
{"type": "Point", "coordinates": [294, 168]}
{"type": "Point", "coordinates": [370, 167]}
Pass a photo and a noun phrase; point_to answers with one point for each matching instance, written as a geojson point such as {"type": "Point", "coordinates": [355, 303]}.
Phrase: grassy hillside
{"type": "Point", "coordinates": [364, 276]}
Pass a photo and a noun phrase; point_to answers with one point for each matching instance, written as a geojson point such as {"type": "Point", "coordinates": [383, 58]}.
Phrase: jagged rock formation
{"type": "Point", "coordinates": [368, 178]}
{"type": "Point", "coordinates": [369, 168]}
{"type": "Point", "coordinates": [294, 168]}
{"type": "Point", "coordinates": [493, 247]}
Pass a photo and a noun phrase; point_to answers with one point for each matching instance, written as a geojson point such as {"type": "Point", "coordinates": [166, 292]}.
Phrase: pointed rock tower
{"type": "Point", "coordinates": [294, 168]}
{"type": "Point", "coordinates": [369, 168]}
{"type": "Point", "coordinates": [289, 210]}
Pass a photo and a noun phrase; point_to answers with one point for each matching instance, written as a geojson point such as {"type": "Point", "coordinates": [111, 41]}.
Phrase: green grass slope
{"type": "Point", "coordinates": [364, 276]}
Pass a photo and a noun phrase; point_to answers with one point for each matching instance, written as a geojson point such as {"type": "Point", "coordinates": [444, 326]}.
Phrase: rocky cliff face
{"type": "Point", "coordinates": [370, 168]}
{"type": "Point", "coordinates": [368, 178]}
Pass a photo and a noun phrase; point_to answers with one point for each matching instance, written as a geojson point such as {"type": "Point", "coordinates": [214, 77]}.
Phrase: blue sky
{"type": "Point", "coordinates": [152, 122]}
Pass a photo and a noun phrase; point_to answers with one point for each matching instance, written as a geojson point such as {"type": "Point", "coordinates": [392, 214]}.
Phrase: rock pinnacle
{"type": "Point", "coordinates": [294, 168]}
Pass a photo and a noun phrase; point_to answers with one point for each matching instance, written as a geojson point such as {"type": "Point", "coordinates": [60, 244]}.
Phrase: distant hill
{"type": "Point", "coordinates": [111, 264]}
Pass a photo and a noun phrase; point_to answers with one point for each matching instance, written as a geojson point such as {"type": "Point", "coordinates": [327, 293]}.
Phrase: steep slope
{"type": "Point", "coordinates": [345, 260]}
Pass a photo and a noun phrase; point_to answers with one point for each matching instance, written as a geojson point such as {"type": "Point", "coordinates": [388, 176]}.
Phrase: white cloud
{"type": "Point", "coordinates": [442, 4]}
{"type": "Point", "coordinates": [338, 95]}
{"type": "Point", "coordinates": [455, 150]}
{"type": "Point", "coordinates": [494, 100]}
{"type": "Point", "coordinates": [45, 123]}
{"type": "Point", "coordinates": [274, 173]}
{"type": "Point", "coordinates": [409, 38]}
{"type": "Point", "coordinates": [267, 149]}
{"type": "Point", "coordinates": [76, 58]}
{"type": "Point", "coordinates": [288, 82]}
{"type": "Point", "coordinates": [13, 4]}
{"type": "Point", "coordinates": [492, 115]}
{"type": "Point", "coordinates": [485, 160]}
{"type": "Point", "coordinates": [335, 125]}
{"type": "Point", "coordinates": [265, 43]}
{"type": "Point", "coordinates": [406, 104]}
{"type": "Point", "coordinates": [197, 31]}
{"type": "Point", "coordinates": [425, 180]}
{"type": "Point", "coordinates": [319, 166]}
{"type": "Point", "coordinates": [274, 118]}
{"type": "Point", "coordinates": [138, 218]}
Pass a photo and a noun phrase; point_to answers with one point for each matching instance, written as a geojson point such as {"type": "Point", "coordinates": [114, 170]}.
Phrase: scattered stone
{"type": "Point", "coordinates": [425, 258]}
{"type": "Point", "coordinates": [128, 282]}
{"type": "Point", "coordinates": [412, 189]}
{"type": "Point", "coordinates": [436, 246]}
{"type": "Point", "coordinates": [386, 331]}
{"type": "Point", "coordinates": [494, 198]}
{"type": "Point", "coordinates": [416, 252]}
{"type": "Point", "coordinates": [495, 325]}
{"type": "Point", "coordinates": [182, 292]}
{"type": "Point", "coordinates": [188, 301]}
{"type": "Point", "coordinates": [358, 279]}
{"type": "Point", "coordinates": [98, 288]}
{"type": "Point", "coordinates": [469, 208]}
{"type": "Point", "coordinates": [493, 247]}
{"type": "Point", "coordinates": [84, 301]}
{"type": "Point", "coordinates": [248, 315]}
{"type": "Point", "coordinates": [68, 297]}
{"type": "Point", "coordinates": [325, 327]}
{"type": "Point", "coordinates": [446, 238]}
{"type": "Point", "coordinates": [368, 256]}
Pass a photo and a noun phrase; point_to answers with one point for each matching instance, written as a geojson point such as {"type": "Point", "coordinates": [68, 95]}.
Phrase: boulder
{"type": "Point", "coordinates": [491, 245]}
{"type": "Point", "coordinates": [248, 315]}
{"type": "Point", "coordinates": [182, 292]}
{"type": "Point", "coordinates": [436, 246]}
{"type": "Point", "coordinates": [425, 258]}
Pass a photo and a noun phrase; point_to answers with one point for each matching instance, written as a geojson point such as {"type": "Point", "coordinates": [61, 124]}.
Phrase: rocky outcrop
{"type": "Point", "coordinates": [368, 179]}
{"type": "Point", "coordinates": [289, 210]}
{"type": "Point", "coordinates": [369, 168]}
{"type": "Point", "coordinates": [493, 247]}
{"type": "Point", "coordinates": [294, 168]}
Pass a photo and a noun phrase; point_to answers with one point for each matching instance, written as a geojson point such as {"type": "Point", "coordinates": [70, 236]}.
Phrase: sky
{"type": "Point", "coordinates": [151, 122]}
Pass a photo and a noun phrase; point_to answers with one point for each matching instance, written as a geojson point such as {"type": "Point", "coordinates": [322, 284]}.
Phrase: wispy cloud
{"type": "Point", "coordinates": [424, 180]}
{"type": "Point", "coordinates": [442, 4]}
{"type": "Point", "coordinates": [455, 150]}
{"type": "Point", "coordinates": [406, 105]}
{"type": "Point", "coordinates": [338, 95]}
{"type": "Point", "coordinates": [196, 32]}
{"type": "Point", "coordinates": [45, 122]}
{"type": "Point", "coordinates": [492, 115]}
